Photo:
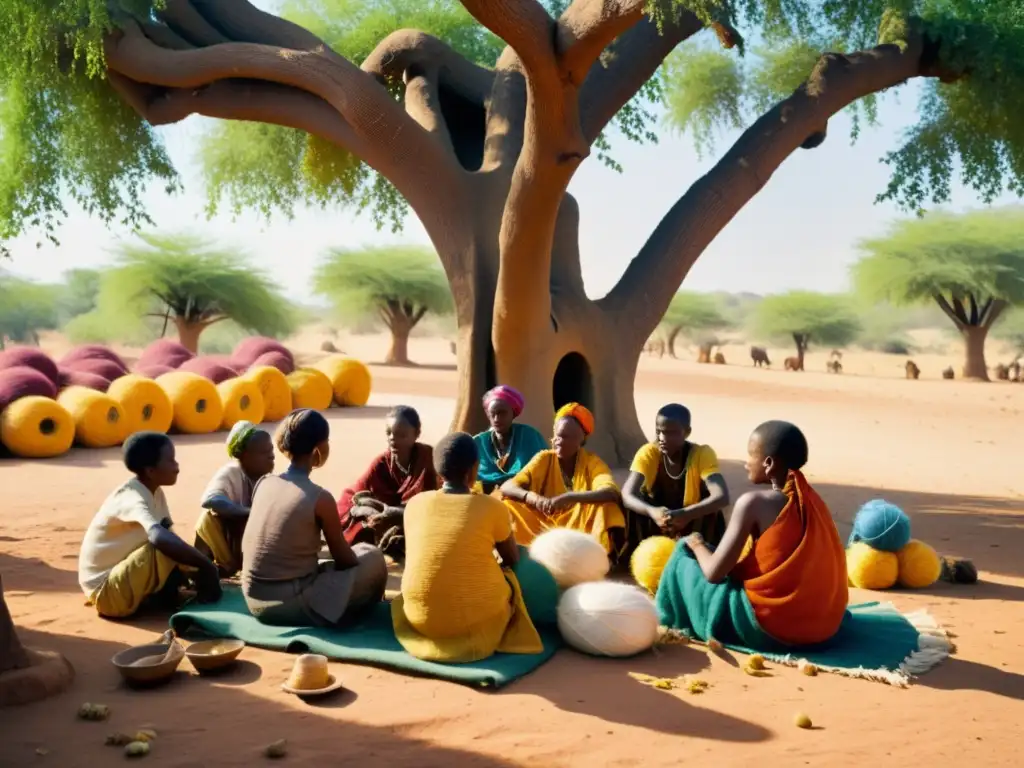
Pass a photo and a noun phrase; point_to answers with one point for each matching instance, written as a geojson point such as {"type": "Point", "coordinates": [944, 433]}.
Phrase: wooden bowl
{"type": "Point", "coordinates": [149, 673]}
{"type": "Point", "coordinates": [212, 655]}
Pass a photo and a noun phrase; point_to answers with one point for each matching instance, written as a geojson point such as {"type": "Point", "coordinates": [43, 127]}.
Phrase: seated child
{"type": "Point", "coordinates": [129, 553]}
{"type": "Point", "coordinates": [371, 510]}
{"type": "Point", "coordinates": [228, 496]}
{"type": "Point", "coordinates": [507, 447]}
{"type": "Point", "coordinates": [457, 603]}
{"type": "Point", "coordinates": [675, 487]}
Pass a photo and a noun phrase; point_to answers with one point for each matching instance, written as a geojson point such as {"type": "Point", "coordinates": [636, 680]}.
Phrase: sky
{"type": "Point", "coordinates": [800, 232]}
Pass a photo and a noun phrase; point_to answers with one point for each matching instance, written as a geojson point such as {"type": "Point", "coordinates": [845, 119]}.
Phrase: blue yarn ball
{"type": "Point", "coordinates": [540, 590]}
{"type": "Point", "coordinates": [882, 526]}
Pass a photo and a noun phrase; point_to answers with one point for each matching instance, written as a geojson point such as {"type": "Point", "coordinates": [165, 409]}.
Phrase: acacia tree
{"type": "Point", "coordinates": [481, 141]}
{"type": "Point", "coordinates": [806, 318]}
{"type": "Point", "coordinates": [398, 283]}
{"type": "Point", "coordinates": [692, 314]}
{"type": "Point", "coordinates": [25, 309]}
{"type": "Point", "coordinates": [971, 265]}
{"type": "Point", "coordinates": [182, 280]}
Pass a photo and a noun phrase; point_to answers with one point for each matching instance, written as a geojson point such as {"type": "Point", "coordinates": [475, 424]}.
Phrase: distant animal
{"type": "Point", "coordinates": [834, 366]}
{"type": "Point", "coordinates": [793, 364]}
{"type": "Point", "coordinates": [719, 358]}
{"type": "Point", "coordinates": [328, 346]}
{"type": "Point", "coordinates": [1015, 370]}
{"type": "Point", "coordinates": [948, 373]}
{"type": "Point", "coordinates": [655, 347]}
{"type": "Point", "coordinates": [1002, 372]}
{"type": "Point", "coordinates": [913, 372]}
{"type": "Point", "coordinates": [704, 353]}
{"type": "Point", "coordinates": [836, 355]}
{"type": "Point", "coordinates": [760, 357]}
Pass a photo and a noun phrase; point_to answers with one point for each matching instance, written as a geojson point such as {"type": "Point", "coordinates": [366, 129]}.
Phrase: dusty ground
{"type": "Point", "coordinates": [949, 452]}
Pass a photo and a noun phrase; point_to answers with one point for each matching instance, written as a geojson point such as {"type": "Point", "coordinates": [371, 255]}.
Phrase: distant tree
{"type": "Point", "coordinates": [400, 284]}
{"type": "Point", "coordinates": [806, 318]}
{"type": "Point", "coordinates": [697, 315]}
{"type": "Point", "coordinates": [186, 281]}
{"type": "Point", "coordinates": [26, 308]}
{"type": "Point", "coordinates": [971, 265]}
{"type": "Point", "coordinates": [79, 293]}
{"type": "Point", "coordinates": [1010, 328]}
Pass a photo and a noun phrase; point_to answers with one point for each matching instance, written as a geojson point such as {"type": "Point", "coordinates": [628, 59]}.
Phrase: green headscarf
{"type": "Point", "coordinates": [239, 437]}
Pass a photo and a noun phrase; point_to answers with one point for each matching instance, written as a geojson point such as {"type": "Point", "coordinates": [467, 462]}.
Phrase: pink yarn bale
{"type": "Point", "coordinates": [30, 357]}
{"type": "Point", "coordinates": [165, 352]}
{"type": "Point", "coordinates": [210, 369]}
{"type": "Point", "coordinates": [91, 352]}
{"type": "Point", "coordinates": [274, 359]}
{"type": "Point", "coordinates": [23, 381]}
{"type": "Point", "coordinates": [250, 349]}
{"type": "Point", "coordinates": [70, 378]}
{"type": "Point", "coordinates": [108, 369]}
{"type": "Point", "coordinates": [152, 370]}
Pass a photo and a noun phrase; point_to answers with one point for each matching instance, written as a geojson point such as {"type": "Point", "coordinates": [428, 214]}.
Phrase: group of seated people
{"type": "Point", "coordinates": [456, 514]}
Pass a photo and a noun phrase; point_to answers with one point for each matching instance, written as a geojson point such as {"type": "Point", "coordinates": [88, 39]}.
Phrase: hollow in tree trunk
{"type": "Point", "coordinates": [485, 156]}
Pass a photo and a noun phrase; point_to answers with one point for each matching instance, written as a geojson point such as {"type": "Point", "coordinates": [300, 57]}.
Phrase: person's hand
{"type": "Point", "coordinates": [559, 503]}
{"type": "Point", "coordinates": [208, 589]}
{"type": "Point", "coordinates": [543, 504]}
{"type": "Point", "coordinates": [694, 541]}
{"type": "Point", "coordinates": [388, 515]}
{"type": "Point", "coordinates": [533, 500]}
{"type": "Point", "coordinates": [660, 517]}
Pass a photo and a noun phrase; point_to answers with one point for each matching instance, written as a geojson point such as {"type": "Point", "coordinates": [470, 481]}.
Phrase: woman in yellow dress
{"type": "Point", "coordinates": [458, 604]}
{"type": "Point", "coordinates": [567, 487]}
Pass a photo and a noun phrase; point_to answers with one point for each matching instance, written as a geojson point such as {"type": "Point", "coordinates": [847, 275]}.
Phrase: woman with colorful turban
{"type": "Point", "coordinates": [567, 487]}
{"type": "Point", "coordinates": [506, 448]}
{"type": "Point", "coordinates": [228, 496]}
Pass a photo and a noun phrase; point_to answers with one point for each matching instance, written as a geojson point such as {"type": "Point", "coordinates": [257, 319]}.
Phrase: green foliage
{"type": "Point", "coordinates": [1010, 328]}
{"type": "Point", "coordinates": [79, 292]}
{"type": "Point", "coordinates": [979, 253]}
{"type": "Point", "coordinates": [64, 134]}
{"type": "Point", "coordinates": [361, 282]}
{"type": "Point", "coordinates": [110, 326]}
{"type": "Point", "coordinates": [222, 338]}
{"type": "Point", "coordinates": [972, 126]}
{"type": "Point", "coordinates": [823, 318]}
{"type": "Point", "coordinates": [26, 308]}
{"type": "Point", "coordinates": [694, 314]}
{"type": "Point", "coordinates": [190, 279]}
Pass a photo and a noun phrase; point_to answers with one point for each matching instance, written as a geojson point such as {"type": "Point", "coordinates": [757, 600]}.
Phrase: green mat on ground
{"type": "Point", "coordinates": [370, 641]}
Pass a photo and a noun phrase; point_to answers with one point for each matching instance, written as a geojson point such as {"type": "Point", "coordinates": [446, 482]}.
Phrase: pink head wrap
{"type": "Point", "coordinates": [508, 395]}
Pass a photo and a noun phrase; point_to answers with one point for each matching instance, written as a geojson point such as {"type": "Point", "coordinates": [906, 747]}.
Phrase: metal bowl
{"type": "Point", "coordinates": [211, 655]}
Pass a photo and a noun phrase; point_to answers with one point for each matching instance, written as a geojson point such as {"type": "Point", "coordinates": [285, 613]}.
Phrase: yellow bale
{"type": "Point", "coordinates": [37, 427]}
{"type": "Point", "coordinates": [147, 408]}
{"type": "Point", "coordinates": [195, 401]}
{"type": "Point", "coordinates": [310, 389]}
{"type": "Point", "coordinates": [277, 394]}
{"type": "Point", "coordinates": [242, 401]}
{"type": "Point", "coordinates": [350, 378]}
{"type": "Point", "coordinates": [99, 419]}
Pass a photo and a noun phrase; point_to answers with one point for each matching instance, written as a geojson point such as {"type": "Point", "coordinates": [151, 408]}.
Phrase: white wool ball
{"type": "Point", "coordinates": [608, 618]}
{"type": "Point", "coordinates": [572, 557]}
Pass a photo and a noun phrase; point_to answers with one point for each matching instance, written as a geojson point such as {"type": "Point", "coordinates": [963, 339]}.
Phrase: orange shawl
{"type": "Point", "coordinates": [795, 575]}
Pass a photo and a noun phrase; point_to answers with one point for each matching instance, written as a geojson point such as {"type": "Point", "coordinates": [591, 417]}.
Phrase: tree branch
{"type": "Point", "coordinates": [973, 304]}
{"type": "Point", "coordinates": [588, 27]}
{"type": "Point", "coordinates": [627, 64]}
{"type": "Point", "coordinates": [958, 307]}
{"type": "Point", "coordinates": [645, 290]}
{"type": "Point", "coordinates": [417, 316]}
{"type": "Point", "coordinates": [947, 308]}
{"type": "Point", "coordinates": [369, 122]}
{"type": "Point", "coordinates": [524, 25]}
{"type": "Point", "coordinates": [386, 318]}
{"type": "Point", "coordinates": [188, 24]}
{"type": "Point", "coordinates": [994, 308]}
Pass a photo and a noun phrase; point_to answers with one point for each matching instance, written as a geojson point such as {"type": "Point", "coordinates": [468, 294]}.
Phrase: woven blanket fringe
{"type": "Point", "coordinates": [933, 647]}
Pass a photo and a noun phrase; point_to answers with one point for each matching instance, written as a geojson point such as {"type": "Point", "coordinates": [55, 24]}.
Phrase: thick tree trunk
{"type": "Point", "coordinates": [398, 353]}
{"type": "Point", "coordinates": [670, 342]}
{"type": "Point", "coordinates": [974, 352]}
{"type": "Point", "coordinates": [188, 334]}
{"type": "Point", "coordinates": [12, 654]}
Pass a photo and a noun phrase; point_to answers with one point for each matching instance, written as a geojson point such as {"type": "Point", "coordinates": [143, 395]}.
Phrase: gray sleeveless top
{"type": "Point", "coordinates": [282, 537]}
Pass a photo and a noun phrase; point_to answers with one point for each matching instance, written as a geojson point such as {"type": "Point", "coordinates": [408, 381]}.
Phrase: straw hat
{"type": "Point", "coordinates": [310, 676]}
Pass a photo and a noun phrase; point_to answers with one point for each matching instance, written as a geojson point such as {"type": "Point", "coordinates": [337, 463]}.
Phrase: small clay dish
{"type": "Point", "coordinates": [333, 684]}
{"type": "Point", "coordinates": [133, 666]}
{"type": "Point", "coordinates": [214, 655]}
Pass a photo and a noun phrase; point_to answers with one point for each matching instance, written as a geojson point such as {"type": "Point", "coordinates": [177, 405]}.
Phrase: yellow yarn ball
{"type": "Point", "coordinates": [36, 427]}
{"type": "Point", "coordinates": [919, 565]}
{"type": "Point", "coordinates": [649, 559]}
{"type": "Point", "coordinates": [350, 378]}
{"type": "Point", "coordinates": [99, 419]}
{"type": "Point", "coordinates": [242, 401]}
{"type": "Point", "coordinates": [195, 400]}
{"type": "Point", "coordinates": [310, 389]}
{"type": "Point", "coordinates": [871, 568]}
{"type": "Point", "coordinates": [147, 408]}
{"type": "Point", "coordinates": [277, 395]}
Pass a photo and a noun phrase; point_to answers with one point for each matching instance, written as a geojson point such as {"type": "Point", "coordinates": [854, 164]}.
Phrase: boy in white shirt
{"type": "Point", "coordinates": [129, 553]}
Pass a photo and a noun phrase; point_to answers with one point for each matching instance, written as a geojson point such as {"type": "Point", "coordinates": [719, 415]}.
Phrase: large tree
{"type": "Point", "coordinates": [399, 284]}
{"type": "Point", "coordinates": [192, 285]}
{"type": "Point", "coordinates": [806, 318]}
{"type": "Point", "coordinates": [696, 315]}
{"type": "Point", "coordinates": [26, 308]}
{"type": "Point", "coordinates": [971, 265]}
{"type": "Point", "coordinates": [481, 141]}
